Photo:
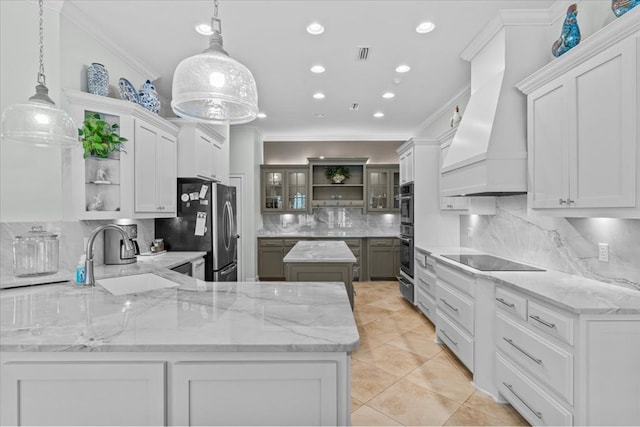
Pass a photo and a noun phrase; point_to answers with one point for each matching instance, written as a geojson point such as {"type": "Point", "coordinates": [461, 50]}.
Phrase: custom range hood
{"type": "Point", "coordinates": [488, 154]}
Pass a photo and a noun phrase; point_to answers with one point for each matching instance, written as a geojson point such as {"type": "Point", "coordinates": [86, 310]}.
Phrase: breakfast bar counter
{"type": "Point", "coordinates": [193, 353]}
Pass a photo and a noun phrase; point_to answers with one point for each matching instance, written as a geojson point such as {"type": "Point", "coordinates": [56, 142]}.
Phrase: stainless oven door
{"type": "Point", "coordinates": [406, 209]}
{"type": "Point", "coordinates": [406, 255]}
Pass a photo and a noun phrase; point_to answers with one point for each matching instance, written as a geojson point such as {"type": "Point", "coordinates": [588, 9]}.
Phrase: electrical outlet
{"type": "Point", "coordinates": [603, 252]}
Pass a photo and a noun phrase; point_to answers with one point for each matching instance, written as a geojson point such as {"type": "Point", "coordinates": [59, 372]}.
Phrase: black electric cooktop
{"type": "Point", "coordinates": [491, 263]}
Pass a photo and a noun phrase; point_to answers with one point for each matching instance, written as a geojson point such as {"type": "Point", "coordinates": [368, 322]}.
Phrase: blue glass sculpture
{"type": "Point", "coordinates": [620, 7]}
{"type": "Point", "coordinates": [570, 35]}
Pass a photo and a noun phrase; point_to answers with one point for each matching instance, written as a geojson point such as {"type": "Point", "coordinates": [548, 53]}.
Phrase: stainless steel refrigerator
{"type": "Point", "coordinates": [206, 222]}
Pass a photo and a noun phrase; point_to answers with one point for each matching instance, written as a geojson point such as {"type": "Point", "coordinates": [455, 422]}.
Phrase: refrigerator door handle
{"type": "Point", "coordinates": [228, 225]}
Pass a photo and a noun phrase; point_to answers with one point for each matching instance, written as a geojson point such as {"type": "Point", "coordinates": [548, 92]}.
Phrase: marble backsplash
{"type": "Point", "coordinates": [71, 235]}
{"type": "Point", "coordinates": [332, 219]}
{"type": "Point", "coordinates": [569, 245]}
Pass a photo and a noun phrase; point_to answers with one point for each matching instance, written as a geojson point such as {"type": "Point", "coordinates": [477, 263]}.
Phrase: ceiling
{"type": "Point", "coordinates": [270, 38]}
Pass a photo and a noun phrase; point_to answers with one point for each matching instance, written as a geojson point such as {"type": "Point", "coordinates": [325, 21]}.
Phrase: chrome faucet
{"type": "Point", "coordinates": [90, 279]}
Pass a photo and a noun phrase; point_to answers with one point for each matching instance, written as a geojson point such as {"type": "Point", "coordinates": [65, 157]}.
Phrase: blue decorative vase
{"type": "Point", "coordinates": [149, 97]}
{"type": "Point", "coordinates": [570, 35]}
{"type": "Point", "coordinates": [98, 79]}
{"type": "Point", "coordinates": [620, 7]}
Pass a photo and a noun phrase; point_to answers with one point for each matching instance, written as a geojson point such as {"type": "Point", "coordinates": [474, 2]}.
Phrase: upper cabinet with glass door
{"type": "Point", "coordinates": [383, 184]}
{"type": "Point", "coordinates": [285, 189]}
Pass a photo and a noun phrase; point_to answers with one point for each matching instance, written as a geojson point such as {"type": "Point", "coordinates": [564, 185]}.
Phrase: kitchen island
{"type": "Point", "coordinates": [241, 353]}
{"type": "Point", "coordinates": [321, 261]}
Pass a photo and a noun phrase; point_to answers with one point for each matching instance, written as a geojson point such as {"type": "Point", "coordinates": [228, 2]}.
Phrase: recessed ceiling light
{"type": "Point", "coordinates": [378, 114]}
{"type": "Point", "coordinates": [318, 95]}
{"type": "Point", "coordinates": [388, 95]}
{"type": "Point", "coordinates": [402, 68]}
{"type": "Point", "coordinates": [317, 69]}
{"type": "Point", "coordinates": [315, 29]}
{"type": "Point", "coordinates": [261, 115]}
{"type": "Point", "coordinates": [425, 27]}
{"type": "Point", "coordinates": [204, 29]}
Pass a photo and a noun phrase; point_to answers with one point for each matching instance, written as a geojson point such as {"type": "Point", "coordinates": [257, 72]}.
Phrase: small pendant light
{"type": "Point", "coordinates": [212, 87]}
{"type": "Point", "coordinates": [38, 121]}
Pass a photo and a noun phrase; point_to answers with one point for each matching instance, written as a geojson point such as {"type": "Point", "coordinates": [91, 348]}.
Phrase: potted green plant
{"type": "Point", "coordinates": [337, 174]}
{"type": "Point", "coordinates": [99, 138]}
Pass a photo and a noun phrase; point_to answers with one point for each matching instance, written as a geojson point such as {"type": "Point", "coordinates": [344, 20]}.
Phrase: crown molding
{"type": "Point", "coordinates": [465, 92]}
{"type": "Point", "coordinates": [617, 30]}
{"type": "Point", "coordinates": [91, 28]}
{"type": "Point", "coordinates": [448, 135]}
{"type": "Point", "coordinates": [506, 18]}
{"type": "Point", "coordinates": [346, 138]}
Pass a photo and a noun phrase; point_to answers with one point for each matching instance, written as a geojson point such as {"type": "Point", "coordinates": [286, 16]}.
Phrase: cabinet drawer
{"type": "Point", "coordinates": [531, 402]}
{"type": "Point", "coordinates": [457, 307]}
{"type": "Point", "coordinates": [550, 321]}
{"type": "Point", "coordinates": [545, 361]}
{"type": "Point", "coordinates": [290, 242]}
{"type": "Point", "coordinates": [426, 280]}
{"type": "Point", "coordinates": [462, 281]}
{"type": "Point", "coordinates": [431, 263]}
{"type": "Point", "coordinates": [511, 303]}
{"type": "Point", "coordinates": [426, 304]}
{"type": "Point", "coordinates": [270, 242]}
{"type": "Point", "coordinates": [458, 341]}
{"type": "Point", "coordinates": [381, 242]}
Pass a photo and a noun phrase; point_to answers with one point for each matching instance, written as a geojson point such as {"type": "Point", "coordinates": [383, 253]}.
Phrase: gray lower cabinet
{"type": "Point", "coordinates": [322, 272]}
{"type": "Point", "coordinates": [270, 254]}
{"type": "Point", "coordinates": [383, 258]}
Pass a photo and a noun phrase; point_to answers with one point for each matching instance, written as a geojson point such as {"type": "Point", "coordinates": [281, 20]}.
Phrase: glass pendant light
{"type": "Point", "coordinates": [212, 87]}
{"type": "Point", "coordinates": [38, 121]}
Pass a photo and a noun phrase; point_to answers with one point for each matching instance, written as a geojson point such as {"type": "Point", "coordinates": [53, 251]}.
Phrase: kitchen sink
{"type": "Point", "coordinates": [135, 284]}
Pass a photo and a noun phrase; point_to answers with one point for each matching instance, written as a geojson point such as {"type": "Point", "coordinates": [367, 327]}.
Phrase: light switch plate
{"type": "Point", "coordinates": [603, 252]}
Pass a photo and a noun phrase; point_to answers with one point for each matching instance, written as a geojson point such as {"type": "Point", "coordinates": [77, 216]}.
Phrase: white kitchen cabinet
{"type": "Point", "coordinates": [583, 127]}
{"type": "Point", "coordinates": [406, 159]}
{"type": "Point", "coordinates": [425, 283]}
{"type": "Point", "coordinates": [201, 151]}
{"type": "Point", "coordinates": [155, 171]}
{"type": "Point", "coordinates": [561, 368]}
{"type": "Point", "coordinates": [255, 393]}
{"type": "Point", "coordinates": [83, 393]}
{"type": "Point", "coordinates": [140, 179]}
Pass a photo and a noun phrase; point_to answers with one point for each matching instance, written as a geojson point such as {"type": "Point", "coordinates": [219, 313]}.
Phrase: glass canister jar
{"type": "Point", "coordinates": [35, 253]}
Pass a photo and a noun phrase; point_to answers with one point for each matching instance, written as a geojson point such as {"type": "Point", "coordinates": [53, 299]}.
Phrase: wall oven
{"type": "Point", "coordinates": [405, 280]}
{"type": "Point", "coordinates": [406, 204]}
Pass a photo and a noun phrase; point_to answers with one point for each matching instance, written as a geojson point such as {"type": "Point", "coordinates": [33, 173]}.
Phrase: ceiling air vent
{"type": "Point", "coordinates": [354, 106]}
{"type": "Point", "coordinates": [362, 54]}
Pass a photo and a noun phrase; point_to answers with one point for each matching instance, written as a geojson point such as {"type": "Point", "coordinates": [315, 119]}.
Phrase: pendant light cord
{"type": "Point", "coordinates": [41, 78]}
{"type": "Point", "coordinates": [215, 8]}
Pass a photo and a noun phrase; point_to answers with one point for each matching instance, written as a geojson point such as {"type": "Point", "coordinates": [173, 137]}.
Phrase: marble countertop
{"type": "Point", "coordinates": [144, 264]}
{"type": "Point", "coordinates": [577, 294]}
{"type": "Point", "coordinates": [341, 233]}
{"type": "Point", "coordinates": [195, 316]}
{"type": "Point", "coordinates": [320, 251]}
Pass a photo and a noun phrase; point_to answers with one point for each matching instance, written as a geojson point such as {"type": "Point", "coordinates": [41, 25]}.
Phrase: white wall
{"type": "Point", "coordinates": [246, 156]}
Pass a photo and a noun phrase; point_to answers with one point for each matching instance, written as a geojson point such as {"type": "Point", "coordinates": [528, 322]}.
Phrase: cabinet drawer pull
{"type": "Point", "coordinates": [448, 337]}
{"type": "Point", "coordinates": [508, 304]}
{"type": "Point", "coordinates": [510, 387]}
{"type": "Point", "coordinates": [424, 306]}
{"type": "Point", "coordinates": [517, 347]}
{"type": "Point", "coordinates": [569, 201]}
{"type": "Point", "coordinates": [448, 305]}
{"type": "Point", "coordinates": [539, 320]}
{"type": "Point", "coordinates": [562, 202]}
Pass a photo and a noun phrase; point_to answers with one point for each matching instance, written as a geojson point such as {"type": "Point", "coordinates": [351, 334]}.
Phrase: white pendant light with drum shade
{"type": "Point", "coordinates": [212, 87]}
{"type": "Point", "coordinates": [38, 121]}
